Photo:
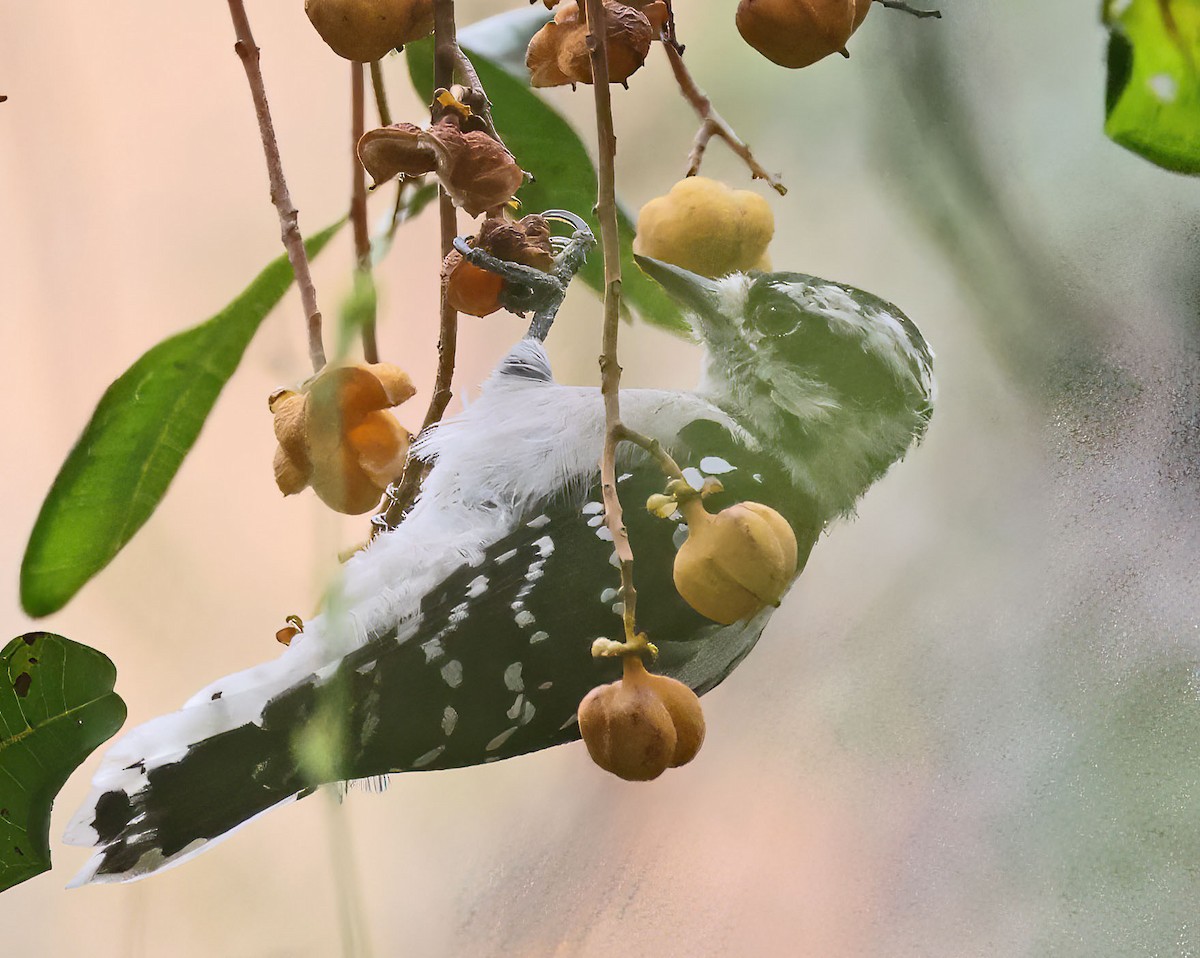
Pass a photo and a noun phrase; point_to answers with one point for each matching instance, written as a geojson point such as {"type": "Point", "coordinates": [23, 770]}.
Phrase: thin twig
{"type": "Point", "coordinates": [664, 459]}
{"type": "Point", "coordinates": [900, 5]}
{"type": "Point", "coordinates": [381, 101]}
{"type": "Point", "coordinates": [402, 496]}
{"type": "Point", "coordinates": [358, 201]}
{"type": "Point", "coordinates": [289, 216]}
{"type": "Point", "coordinates": [713, 124]}
{"type": "Point", "coordinates": [610, 369]}
{"type": "Point", "coordinates": [476, 96]}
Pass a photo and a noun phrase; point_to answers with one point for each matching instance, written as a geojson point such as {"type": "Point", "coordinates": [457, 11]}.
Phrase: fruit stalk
{"type": "Point", "coordinates": [713, 124]}
{"type": "Point", "coordinates": [358, 200]}
{"type": "Point", "coordinates": [381, 101]}
{"type": "Point", "coordinates": [610, 368]}
{"type": "Point", "coordinates": [289, 216]}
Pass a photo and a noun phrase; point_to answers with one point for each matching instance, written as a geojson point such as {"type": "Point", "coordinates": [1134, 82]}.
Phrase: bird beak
{"type": "Point", "coordinates": [698, 295]}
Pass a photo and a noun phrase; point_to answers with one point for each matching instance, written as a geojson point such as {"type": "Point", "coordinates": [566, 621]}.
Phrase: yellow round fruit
{"type": "Point", "coordinates": [734, 563]}
{"type": "Point", "coordinates": [706, 227]}
{"type": "Point", "coordinates": [365, 30]}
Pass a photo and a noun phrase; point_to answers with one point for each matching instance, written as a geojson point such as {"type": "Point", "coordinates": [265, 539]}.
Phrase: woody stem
{"type": "Point", "coordinates": [358, 202]}
{"type": "Point", "coordinates": [610, 369]}
{"type": "Point", "coordinates": [713, 124]}
{"type": "Point", "coordinates": [289, 216]}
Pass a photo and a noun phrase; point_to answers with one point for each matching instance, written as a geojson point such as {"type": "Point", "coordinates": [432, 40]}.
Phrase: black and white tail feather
{"type": "Point", "coordinates": [463, 636]}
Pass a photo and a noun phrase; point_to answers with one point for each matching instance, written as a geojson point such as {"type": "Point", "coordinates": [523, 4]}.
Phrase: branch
{"type": "Point", "coordinates": [401, 497]}
{"type": "Point", "coordinates": [358, 201]}
{"type": "Point", "coordinates": [289, 216]}
{"type": "Point", "coordinates": [610, 369]}
{"type": "Point", "coordinates": [475, 96]}
{"type": "Point", "coordinates": [712, 124]}
{"type": "Point", "coordinates": [381, 101]}
{"type": "Point", "coordinates": [900, 5]}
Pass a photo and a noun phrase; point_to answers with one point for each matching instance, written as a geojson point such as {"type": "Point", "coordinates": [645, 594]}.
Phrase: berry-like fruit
{"type": "Point", "coordinates": [706, 227]}
{"type": "Point", "coordinates": [797, 33]}
{"type": "Point", "coordinates": [365, 30]}
{"type": "Point", "coordinates": [734, 563]}
{"type": "Point", "coordinates": [642, 724]}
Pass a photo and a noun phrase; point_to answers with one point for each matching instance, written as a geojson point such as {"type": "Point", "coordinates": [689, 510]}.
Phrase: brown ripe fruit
{"type": "Point", "coordinates": [796, 33]}
{"type": "Point", "coordinates": [365, 30]}
{"type": "Point", "coordinates": [734, 563]}
{"type": "Point", "coordinates": [861, 9]}
{"type": "Point", "coordinates": [642, 724]}
{"type": "Point", "coordinates": [558, 53]}
{"type": "Point", "coordinates": [683, 705]}
{"type": "Point", "coordinates": [706, 227]}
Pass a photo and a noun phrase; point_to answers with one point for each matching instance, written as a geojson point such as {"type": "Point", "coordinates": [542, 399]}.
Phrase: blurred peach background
{"type": "Point", "coordinates": [929, 754]}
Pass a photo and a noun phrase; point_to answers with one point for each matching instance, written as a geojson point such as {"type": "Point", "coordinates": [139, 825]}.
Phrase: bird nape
{"type": "Point", "coordinates": [463, 635]}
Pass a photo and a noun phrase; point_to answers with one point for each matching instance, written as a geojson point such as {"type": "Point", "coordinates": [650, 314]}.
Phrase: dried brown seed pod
{"type": "Point", "coordinates": [736, 562]}
{"type": "Point", "coordinates": [477, 171]}
{"type": "Point", "coordinates": [335, 436]}
{"type": "Point", "coordinates": [796, 33]}
{"type": "Point", "coordinates": [642, 724]}
{"type": "Point", "coordinates": [558, 53]}
{"type": "Point", "coordinates": [861, 9]}
{"type": "Point", "coordinates": [396, 150]}
{"type": "Point", "coordinates": [365, 30]}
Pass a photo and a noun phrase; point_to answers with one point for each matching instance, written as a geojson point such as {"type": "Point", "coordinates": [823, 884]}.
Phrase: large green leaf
{"type": "Point", "coordinates": [564, 177]}
{"type": "Point", "coordinates": [1153, 97]}
{"type": "Point", "coordinates": [143, 427]}
{"type": "Point", "coordinates": [56, 705]}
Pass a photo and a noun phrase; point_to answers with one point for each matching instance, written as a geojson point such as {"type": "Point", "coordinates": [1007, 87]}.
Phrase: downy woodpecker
{"type": "Point", "coordinates": [463, 636]}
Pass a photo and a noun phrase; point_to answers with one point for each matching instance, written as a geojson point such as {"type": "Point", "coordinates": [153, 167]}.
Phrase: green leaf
{"type": "Point", "coordinates": [564, 177]}
{"type": "Point", "coordinates": [1153, 93]}
{"type": "Point", "coordinates": [57, 705]}
{"type": "Point", "coordinates": [144, 426]}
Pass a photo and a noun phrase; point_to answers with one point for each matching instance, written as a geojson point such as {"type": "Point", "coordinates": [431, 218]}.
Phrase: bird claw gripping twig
{"type": "Point", "coordinates": [528, 289]}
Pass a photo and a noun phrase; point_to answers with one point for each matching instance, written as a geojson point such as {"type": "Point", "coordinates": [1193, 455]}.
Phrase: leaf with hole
{"type": "Point", "coordinates": [57, 705]}
{"type": "Point", "coordinates": [138, 436]}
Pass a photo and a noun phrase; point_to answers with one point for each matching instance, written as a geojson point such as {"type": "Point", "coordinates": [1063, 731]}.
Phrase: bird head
{"type": "Point", "coordinates": [832, 381]}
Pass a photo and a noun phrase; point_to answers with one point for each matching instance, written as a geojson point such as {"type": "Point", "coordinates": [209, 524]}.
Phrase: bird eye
{"type": "Point", "coordinates": [775, 318]}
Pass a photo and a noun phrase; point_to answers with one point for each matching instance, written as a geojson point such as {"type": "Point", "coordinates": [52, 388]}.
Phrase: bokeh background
{"type": "Point", "coordinates": [974, 727]}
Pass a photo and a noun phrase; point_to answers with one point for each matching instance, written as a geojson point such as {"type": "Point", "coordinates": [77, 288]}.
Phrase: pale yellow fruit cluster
{"type": "Point", "coordinates": [706, 227]}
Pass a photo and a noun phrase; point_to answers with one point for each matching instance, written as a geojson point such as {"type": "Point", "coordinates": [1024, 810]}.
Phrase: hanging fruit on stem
{"type": "Point", "coordinates": [733, 563]}
{"type": "Point", "coordinates": [365, 30]}
{"type": "Point", "coordinates": [642, 724]}
{"type": "Point", "coordinates": [798, 33]}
